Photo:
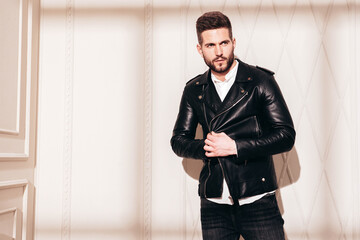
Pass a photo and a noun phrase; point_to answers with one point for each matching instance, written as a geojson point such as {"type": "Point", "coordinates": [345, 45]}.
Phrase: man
{"type": "Point", "coordinates": [245, 121]}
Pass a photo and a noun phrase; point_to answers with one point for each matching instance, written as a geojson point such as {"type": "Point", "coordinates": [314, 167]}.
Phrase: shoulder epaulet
{"type": "Point", "coordinates": [265, 70]}
{"type": "Point", "coordinates": [192, 79]}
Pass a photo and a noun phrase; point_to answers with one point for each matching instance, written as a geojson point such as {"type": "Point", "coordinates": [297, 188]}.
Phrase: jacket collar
{"type": "Point", "coordinates": [243, 74]}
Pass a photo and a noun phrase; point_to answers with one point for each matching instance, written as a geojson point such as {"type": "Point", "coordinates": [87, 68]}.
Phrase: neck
{"type": "Point", "coordinates": [221, 76]}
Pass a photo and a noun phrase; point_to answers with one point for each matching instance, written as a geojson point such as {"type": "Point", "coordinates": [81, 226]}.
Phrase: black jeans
{"type": "Point", "coordinates": [258, 220]}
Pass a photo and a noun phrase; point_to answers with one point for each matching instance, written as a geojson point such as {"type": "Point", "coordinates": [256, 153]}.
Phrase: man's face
{"type": "Point", "coordinates": [217, 49]}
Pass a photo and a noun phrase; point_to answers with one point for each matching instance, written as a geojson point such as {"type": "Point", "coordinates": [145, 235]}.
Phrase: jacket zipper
{"type": "Point", "coordinates": [221, 166]}
{"type": "Point", "coordinates": [226, 110]}
{"type": "Point", "coordinates": [208, 163]}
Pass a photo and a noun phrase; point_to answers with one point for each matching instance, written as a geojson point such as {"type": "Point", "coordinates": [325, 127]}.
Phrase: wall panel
{"type": "Point", "coordinates": [298, 40]}
{"type": "Point", "coordinates": [93, 110]}
{"type": "Point", "coordinates": [16, 83]}
{"type": "Point", "coordinates": [19, 21]}
{"type": "Point", "coordinates": [10, 51]}
{"type": "Point", "coordinates": [15, 203]}
{"type": "Point", "coordinates": [111, 78]}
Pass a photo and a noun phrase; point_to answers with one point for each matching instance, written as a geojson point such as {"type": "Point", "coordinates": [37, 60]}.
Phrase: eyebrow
{"type": "Point", "coordinates": [211, 43]}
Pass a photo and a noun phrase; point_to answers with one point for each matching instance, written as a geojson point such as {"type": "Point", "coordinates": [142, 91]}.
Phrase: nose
{"type": "Point", "coordinates": [218, 50]}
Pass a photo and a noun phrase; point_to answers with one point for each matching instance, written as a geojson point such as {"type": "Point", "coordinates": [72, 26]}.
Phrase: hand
{"type": "Point", "coordinates": [219, 145]}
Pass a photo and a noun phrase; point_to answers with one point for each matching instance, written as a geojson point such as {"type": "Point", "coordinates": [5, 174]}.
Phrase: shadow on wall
{"type": "Point", "coordinates": [287, 167]}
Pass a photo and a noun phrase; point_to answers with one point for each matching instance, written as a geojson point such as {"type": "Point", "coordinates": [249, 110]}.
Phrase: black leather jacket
{"type": "Point", "coordinates": [253, 113]}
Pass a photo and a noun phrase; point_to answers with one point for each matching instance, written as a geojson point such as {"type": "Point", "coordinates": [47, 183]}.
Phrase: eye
{"type": "Point", "coordinates": [210, 45]}
{"type": "Point", "coordinates": [225, 43]}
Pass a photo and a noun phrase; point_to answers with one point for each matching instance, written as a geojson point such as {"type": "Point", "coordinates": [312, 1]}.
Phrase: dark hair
{"type": "Point", "coordinates": [212, 20]}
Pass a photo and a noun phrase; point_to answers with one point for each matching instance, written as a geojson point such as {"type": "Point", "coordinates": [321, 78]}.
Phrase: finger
{"type": "Point", "coordinates": [221, 134]}
{"type": "Point", "coordinates": [208, 142]}
{"type": "Point", "coordinates": [210, 137]}
{"type": "Point", "coordinates": [210, 154]}
{"type": "Point", "coordinates": [208, 148]}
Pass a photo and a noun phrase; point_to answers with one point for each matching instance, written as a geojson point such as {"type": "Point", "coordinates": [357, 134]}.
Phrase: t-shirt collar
{"type": "Point", "coordinates": [229, 76]}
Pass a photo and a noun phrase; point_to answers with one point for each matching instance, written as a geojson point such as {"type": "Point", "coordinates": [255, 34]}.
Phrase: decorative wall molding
{"type": "Point", "coordinates": [24, 82]}
{"type": "Point", "coordinates": [5, 157]}
{"type": "Point", "coordinates": [148, 119]}
{"type": "Point", "coordinates": [16, 225]}
{"type": "Point", "coordinates": [13, 184]}
{"type": "Point", "coordinates": [67, 158]}
{"type": "Point", "coordinates": [20, 217]}
{"type": "Point", "coordinates": [356, 100]}
{"type": "Point", "coordinates": [184, 13]}
{"type": "Point", "coordinates": [14, 130]}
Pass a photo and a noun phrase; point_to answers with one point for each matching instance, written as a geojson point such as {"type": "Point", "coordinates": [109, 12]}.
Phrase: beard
{"type": "Point", "coordinates": [224, 67]}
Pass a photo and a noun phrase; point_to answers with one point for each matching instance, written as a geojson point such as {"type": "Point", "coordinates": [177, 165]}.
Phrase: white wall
{"type": "Point", "coordinates": [110, 80]}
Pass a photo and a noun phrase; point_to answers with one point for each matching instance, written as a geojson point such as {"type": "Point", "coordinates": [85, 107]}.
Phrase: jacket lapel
{"type": "Point", "coordinates": [237, 90]}
{"type": "Point", "coordinates": [211, 98]}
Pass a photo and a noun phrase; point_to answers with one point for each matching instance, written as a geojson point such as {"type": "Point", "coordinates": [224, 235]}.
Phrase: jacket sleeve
{"type": "Point", "coordinates": [280, 137]}
{"type": "Point", "coordinates": [182, 141]}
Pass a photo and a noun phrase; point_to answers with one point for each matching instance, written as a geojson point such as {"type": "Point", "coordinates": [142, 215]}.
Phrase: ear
{"type": "Point", "coordinates": [234, 42]}
{"type": "Point", "coordinates": [198, 47]}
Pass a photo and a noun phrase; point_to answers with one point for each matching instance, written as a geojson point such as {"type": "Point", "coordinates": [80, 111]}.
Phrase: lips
{"type": "Point", "coordinates": [219, 60]}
